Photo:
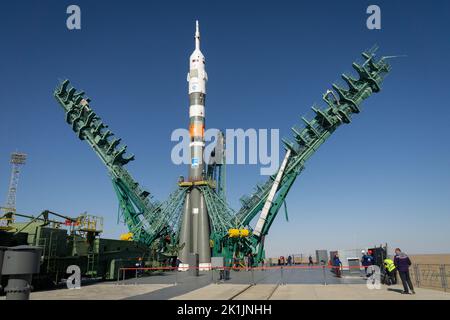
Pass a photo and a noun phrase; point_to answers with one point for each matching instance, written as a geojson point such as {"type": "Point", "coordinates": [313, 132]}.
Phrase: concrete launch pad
{"type": "Point", "coordinates": [112, 291]}
{"type": "Point", "coordinates": [101, 291]}
{"type": "Point", "coordinates": [242, 285]}
{"type": "Point", "coordinates": [352, 292]}
{"type": "Point", "coordinates": [214, 292]}
{"type": "Point", "coordinates": [308, 292]}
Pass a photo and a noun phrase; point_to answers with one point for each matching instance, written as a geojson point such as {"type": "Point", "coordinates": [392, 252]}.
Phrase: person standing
{"type": "Point", "coordinates": [289, 260]}
{"type": "Point", "coordinates": [337, 265]}
{"type": "Point", "coordinates": [235, 263]}
{"type": "Point", "coordinates": [246, 262]}
{"type": "Point", "coordinates": [139, 265]}
{"type": "Point", "coordinates": [250, 260]}
{"type": "Point", "coordinates": [366, 261]}
{"type": "Point", "coordinates": [402, 263]}
{"type": "Point", "coordinates": [310, 261]}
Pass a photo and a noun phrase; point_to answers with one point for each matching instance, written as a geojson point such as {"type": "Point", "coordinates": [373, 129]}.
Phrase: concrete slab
{"type": "Point", "coordinates": [102, 291]}
{"type": "Point", "coordinates": [352, 292]}
{"type": "Point", "coordinates": [214, 292]}
{"type": "Point", "coordinates": [185, 284]}
{"type": "Point", "coordinates": [257, 292]}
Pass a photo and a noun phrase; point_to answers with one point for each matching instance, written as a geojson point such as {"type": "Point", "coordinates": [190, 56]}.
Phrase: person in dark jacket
{"type": "Point", "coordinates": [337, 265]}
{"type": "Point", "coordinates": [139, 265]}
{"type": "Point", "coordinates": [250, 260]}
{"type": "Point", "coordinates": [402, 263]}
{"type": "Point", "coordinates": [310, 261]}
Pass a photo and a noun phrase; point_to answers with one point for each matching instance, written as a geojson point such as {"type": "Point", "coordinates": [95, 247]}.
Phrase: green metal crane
{"type": "Point", "coordinates": [151, 221]}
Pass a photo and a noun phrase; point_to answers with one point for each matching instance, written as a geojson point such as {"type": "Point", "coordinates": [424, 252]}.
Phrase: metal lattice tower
{"type": "Point", "coordinates": [17, 159]}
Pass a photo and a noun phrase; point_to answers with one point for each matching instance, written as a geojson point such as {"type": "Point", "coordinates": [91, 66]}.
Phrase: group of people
{"type": "Point", "coordinates": [400, 264]}
{"type": "Point", "coordinates": [285, 262]}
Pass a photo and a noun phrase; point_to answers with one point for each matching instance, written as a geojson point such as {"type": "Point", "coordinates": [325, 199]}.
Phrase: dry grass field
{"type": "Point", "coordinates": [430, 258]}
{"type": "Point", "coordinates": [441, 258]}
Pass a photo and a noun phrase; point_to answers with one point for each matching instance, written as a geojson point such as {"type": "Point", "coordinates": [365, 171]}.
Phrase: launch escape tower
{"type": "Point", "coordinates": [17, 160]}
{"type": "Point", "coordinates": [196, 217]}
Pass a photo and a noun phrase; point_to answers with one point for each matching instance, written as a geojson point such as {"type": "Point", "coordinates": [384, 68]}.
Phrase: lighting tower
{"type": "Point", "coordinates": [17, 159]}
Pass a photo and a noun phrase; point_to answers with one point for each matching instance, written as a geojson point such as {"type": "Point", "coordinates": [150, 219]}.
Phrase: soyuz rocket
{"type": "Point", "coordinates": [195, 226]}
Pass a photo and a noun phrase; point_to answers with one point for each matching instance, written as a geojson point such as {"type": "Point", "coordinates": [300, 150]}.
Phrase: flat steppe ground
{"type": "Point", "coordinates": [443, 258]}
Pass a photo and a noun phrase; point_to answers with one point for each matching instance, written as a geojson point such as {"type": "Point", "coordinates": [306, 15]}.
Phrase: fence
{"type": "Point", "coordinates": [433, 276]}
{"type": "Point", "coordinates": [294, 274]}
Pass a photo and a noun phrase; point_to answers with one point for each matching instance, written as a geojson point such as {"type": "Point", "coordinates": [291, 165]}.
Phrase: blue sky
{"type": "Point", "coordinates": [383, 178]}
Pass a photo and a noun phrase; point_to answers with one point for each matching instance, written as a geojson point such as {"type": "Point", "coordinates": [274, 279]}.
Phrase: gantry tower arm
{"type": "Point", "coordinates": [341, 103]}
{"type": "Point", "coordinates": [142, 216]}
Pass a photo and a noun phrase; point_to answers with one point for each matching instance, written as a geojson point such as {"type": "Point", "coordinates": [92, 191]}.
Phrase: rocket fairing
{"type": "Point", "coordinates": [195, 226]}
{"type": "Point", "coordinates": [197, 78]}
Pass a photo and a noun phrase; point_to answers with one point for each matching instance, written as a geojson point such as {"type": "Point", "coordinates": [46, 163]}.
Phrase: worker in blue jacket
{"type": "Point", "coordinates": [337, 265]}
{"type": "Point", "coordinates": [366, 261]}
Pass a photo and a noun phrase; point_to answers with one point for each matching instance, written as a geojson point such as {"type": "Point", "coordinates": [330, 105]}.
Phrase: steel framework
{"type": "Point", "coordinates": [231, 233]}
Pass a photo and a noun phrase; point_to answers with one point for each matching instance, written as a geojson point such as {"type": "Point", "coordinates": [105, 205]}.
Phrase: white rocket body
{"type": "Point", "coordinates": [195, 228]}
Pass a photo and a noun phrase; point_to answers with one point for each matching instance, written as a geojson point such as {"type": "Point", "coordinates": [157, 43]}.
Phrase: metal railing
{"type": "Point", "coordinates": [281, 275]}
{"type": "Point", "coordinates": [432, 276]}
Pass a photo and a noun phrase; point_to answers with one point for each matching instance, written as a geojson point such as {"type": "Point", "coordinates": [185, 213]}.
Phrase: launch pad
{"type": "Point", "coordinates": [196, 220]}
{"type": "Point", "coordinates": [307, 285]}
